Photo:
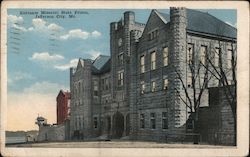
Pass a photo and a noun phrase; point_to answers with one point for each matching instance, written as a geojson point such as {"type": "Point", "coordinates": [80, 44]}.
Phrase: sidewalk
{"type": "Point", "coordinates": [117, 144]}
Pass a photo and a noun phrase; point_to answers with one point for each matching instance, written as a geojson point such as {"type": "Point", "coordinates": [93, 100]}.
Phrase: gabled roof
{"type": "Point", "coordinates": [163, 16]}
{"type": "Point", "coordinates": [101, 64]}
{"type": "Point", "coordinates": [80, 63]}
{"type": "Point", "coordinates": [66, 94]}
{"type": "Point", "coordinates": [100, 61]}
{"type": "Point", "coordinates": [204, 23]}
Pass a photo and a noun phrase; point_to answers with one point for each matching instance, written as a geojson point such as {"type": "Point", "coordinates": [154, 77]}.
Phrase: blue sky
{"type": "Point", "coordinates": [40, 51]}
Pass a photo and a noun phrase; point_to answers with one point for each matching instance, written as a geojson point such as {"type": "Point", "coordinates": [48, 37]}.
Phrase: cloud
{"type": "Point", "coordinates": [40, 25]}
{"type": "Point", "coordinates": [54, 27]}
{"type": "Point", "coordinates": [24, 107]}
{"type": "Point", "coordinates": [19, 27]}
{"type": "Point", "coordinates": [15, 19]}
{"type": "Point", "coordinates": [96, 34]}
{"type": "Point", "coordinates": [75, 33]}
{"type": "Point", "coordinates": [18, 76]}
{"type": "Point", "coordinates": [16, 22]}
{"type": "Point", "coordinates": [45, 56]}
{"type": "Point", "coordinates": [63, 67]}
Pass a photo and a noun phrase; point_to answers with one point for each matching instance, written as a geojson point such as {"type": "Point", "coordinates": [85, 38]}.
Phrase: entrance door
{"type": "Point", "coordinates": [118, 125]}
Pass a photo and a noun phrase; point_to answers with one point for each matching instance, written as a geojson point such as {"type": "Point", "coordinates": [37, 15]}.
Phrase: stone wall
{"type": "Point", "coordinates": [51, 133]}
{"type": "Point", "coordinates": [216, 122]}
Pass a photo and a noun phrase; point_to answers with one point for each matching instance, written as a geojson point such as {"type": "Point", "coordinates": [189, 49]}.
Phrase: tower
{"type": "Point", "coordinates": [178, 25]}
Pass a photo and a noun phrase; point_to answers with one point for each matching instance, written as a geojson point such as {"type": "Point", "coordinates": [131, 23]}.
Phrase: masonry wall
{"type": "Point", "coordinates": [51, 133]}
{"type": "Point", "coordinates": [216, 122]}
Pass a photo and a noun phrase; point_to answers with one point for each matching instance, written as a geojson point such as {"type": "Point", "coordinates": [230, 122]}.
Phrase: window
{"type": "Point", "coordinates": [216, 56]}
{"type": "Point", "coordinates": [165, 84]}
{"type": "Point", "coordinates": [75, 123]}
{"type": "Point", "coordinates": [95, 122]}
{"type": "Point", "coordinates": [142, 87]}
{"type": "Point", "coordinates": [106, 83]}
{"type": "Point", "coordinates": [190, 53]}
{"type": "Point", "coordinates": [95, 88]}
{"type": "Point", "coordinates": [103, 84]}
{"type": "Point", "coordinates": [79, 121]}
{"type": "Point", "coordinates": [142, 64]}
{"type": "Point", "coordinates": [120, 78]}
{"type": "Point", "coordinates": [82, 122]}
{"type": "Point", "coordinates": [164, 120]}
{"type": "Point", "coordinates": [120, 59]}
{"type": "Point", "coordinates": [142, 121]}
{"type": "Point", "coordinates": [153, 35]}
{"type": "Point", "coordinates": [165, 56]}
{"type": "Point", "coordinates": [229, 58]}
{"type": "Point", "coordinates": [153, 86]}
{"type": "Point", "coordinates": [189, 80]}
{"type": "Point", "coordinates": [153, 61]}
{"type": "Point", "coordinates": [152, 120]}
{"type": "Point", "coordinates": [203, 55]}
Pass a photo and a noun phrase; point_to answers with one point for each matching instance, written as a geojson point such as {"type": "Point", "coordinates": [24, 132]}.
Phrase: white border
{"type": "Point", "coordinates": [242, 73]}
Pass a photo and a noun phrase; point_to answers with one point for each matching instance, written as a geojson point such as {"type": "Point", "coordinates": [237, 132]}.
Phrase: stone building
{"type": "Point", "coordinates": [48, 132]}
{"type": "Point", "coordinates": [133, 92]}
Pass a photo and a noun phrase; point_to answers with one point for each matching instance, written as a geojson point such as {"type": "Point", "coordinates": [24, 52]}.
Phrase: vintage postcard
{"type": "Point", "coordinates": [124, 78]}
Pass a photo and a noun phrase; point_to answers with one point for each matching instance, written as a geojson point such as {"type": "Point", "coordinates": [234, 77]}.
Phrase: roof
{"type": "Point", "coordinates": [66, 94]}
{"type": "Point", "coordinates": [204, 23]}
{"type": "Point", "coordinates": [100, 61]}
{"type": "Point", "coordinates": [101, 64]}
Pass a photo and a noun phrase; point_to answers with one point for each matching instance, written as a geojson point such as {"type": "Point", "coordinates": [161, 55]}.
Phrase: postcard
{"type": "Point", "coordinates": [124, 78]}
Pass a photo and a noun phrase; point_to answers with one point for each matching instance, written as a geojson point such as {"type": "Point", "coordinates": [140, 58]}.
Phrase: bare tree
{"type": "Point", "coordinates": [197, 78]}
{"type": "Point", "coordinates": [225, 73]}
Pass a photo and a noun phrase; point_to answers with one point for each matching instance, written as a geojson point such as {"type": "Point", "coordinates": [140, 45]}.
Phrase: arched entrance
{"type": "Point", "coordinates": [118, 125]}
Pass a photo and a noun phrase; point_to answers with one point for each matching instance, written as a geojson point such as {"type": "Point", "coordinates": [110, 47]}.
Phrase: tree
{"type": "Point", "coordinates": [225, 73]}
{"type": "Point", "coordinates": [197, 75]}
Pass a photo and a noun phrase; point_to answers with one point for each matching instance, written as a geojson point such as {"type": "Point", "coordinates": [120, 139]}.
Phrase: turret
{"type": "Point", "coordinates": [113, 26]}
{"type": "Point", "coordinates": [129, 17]}
{"type": "Point", "coordinates": [177, 52]}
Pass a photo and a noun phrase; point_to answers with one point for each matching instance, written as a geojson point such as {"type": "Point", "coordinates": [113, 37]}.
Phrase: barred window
{"type": "Point", "coordinates": [165, 84]}
{"type": "Point", "coordinates": [203, 54]}
{"type": "Point", "coordinates": [164, 120]}
{"type": "Point", "coordinates": [153, 60]}
{"type": "Point", "coordinates": [152, 121]}
{"type": "Point", "coordinates": [189, 80]}
{"type": "Point", "coordinates": [142, 87]}
{"type": "Point", "coordinates": [153, 86]}
{"type": "Point", "coordinates": [165, 56]}
{"type": "Point", "coordinates": [120, 59]}
{"type": "Point", "coordinates": [95, 122]}
{"type": "Point", "coordinates": [229, 58]}
{"type": "Point", "coordinates": [216, 56]}
{"type": "Point", "coordinates": [142, 121]}
{"type": "Point", "coordinates": [79, 121]}
{"type": "Point", "coordinates": [190, 53]}
{"type": "Point", "coordinates": [142, 64]}
{"type": "Point", "coordinates": [95, 88]}
{"type": "Point", "coordinates": [120, 78]}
